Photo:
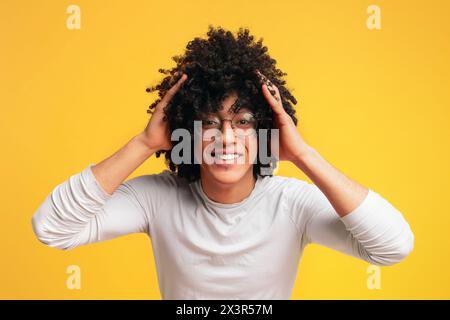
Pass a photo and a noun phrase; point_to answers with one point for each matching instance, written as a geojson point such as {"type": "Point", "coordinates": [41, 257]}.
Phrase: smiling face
{"type": "Point", "coordinates": [228, 154]}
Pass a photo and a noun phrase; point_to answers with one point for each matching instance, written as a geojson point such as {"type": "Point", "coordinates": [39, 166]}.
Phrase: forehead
{"type": "Point", "coordinates": [227, 105]}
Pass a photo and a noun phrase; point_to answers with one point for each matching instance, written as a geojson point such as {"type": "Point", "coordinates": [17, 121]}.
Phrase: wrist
{"type": "Point", "coordinates": [142, 141]}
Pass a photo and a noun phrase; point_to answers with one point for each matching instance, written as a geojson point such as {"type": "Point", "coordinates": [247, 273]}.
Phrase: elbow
{"type": "Point", "coordinates": [397, 253]}
{"type": "Point", "coordinates": [406, 249]}
{"type": "Point", "coordinates": [44, 236]}
{"type": "Point", "coordinates": [39, 229]}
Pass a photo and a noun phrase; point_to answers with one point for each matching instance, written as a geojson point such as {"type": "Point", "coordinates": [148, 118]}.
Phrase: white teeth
{"type": "Point", "coordinates": [230, 156]}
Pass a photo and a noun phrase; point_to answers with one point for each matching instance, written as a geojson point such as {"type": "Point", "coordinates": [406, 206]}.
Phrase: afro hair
{"type": "Point", "coordinates": [216, 66]}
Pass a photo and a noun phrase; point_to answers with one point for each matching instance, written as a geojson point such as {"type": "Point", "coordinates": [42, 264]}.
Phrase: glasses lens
{"type": "Point", "coordinates": [244, 121]}
{"type": "Point", "coordinates": [210, 122]}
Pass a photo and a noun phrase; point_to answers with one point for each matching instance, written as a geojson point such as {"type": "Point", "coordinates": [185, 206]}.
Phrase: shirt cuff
{"type": "Point", "coordinates": [90, 183]}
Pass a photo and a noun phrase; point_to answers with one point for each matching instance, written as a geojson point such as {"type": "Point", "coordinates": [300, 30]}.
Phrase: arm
{"type": "Point", "coordinates": [78, 212]}
{"type": "Point", "coordinates": [337, 211]}
{"type": "Point", "coordinates": [343, 193]}
{"type": "Point", "coordinates": [115, 169]}
{"type": "Point", "coordinates": [369, 228]}
{"type": "Point", "coordinates": [373, 230]}
{"type": "Point", "coordinates": [96, 204]}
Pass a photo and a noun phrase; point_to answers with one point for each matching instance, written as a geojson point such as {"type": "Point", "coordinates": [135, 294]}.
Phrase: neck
{"type": "Point", "coordinates": [228, 193]}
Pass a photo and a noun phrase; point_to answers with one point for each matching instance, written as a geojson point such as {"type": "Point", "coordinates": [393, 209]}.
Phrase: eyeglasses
{"type": "Point", "coordinates": [243, 123]}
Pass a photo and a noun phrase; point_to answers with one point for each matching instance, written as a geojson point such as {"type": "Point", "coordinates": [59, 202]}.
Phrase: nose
{"type": "Point", "coordinates": [228, 136]}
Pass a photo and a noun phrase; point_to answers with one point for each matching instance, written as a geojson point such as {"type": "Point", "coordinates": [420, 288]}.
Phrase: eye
{"type": "Point", "coordinates": [209, 122]}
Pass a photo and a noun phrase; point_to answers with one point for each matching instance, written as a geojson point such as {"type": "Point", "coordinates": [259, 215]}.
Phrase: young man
{"type": "Point", "coordinates": [219, 229]}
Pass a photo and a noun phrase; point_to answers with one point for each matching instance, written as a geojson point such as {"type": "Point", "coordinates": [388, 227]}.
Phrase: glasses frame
{"type": "Point", "coordinates": [252, 131]}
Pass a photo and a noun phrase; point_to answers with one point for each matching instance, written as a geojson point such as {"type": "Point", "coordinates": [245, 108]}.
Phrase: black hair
{"type": "Point", "coordinates": [216, 66]}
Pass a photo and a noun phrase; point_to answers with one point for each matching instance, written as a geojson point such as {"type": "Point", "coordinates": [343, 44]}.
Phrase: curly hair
{"type": "Point", "coordinates": [216, 66]}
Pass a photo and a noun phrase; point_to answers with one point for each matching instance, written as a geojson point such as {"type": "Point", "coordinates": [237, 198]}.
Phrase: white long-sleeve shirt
{"type": "Point", "coordinates": [209, 250]}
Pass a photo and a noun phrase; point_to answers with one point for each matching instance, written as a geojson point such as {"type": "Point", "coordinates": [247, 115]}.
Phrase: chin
{"type": "Point", "coordinates": [227, 174]}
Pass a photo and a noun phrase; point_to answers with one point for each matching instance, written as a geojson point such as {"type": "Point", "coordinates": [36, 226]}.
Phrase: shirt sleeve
{"type": "Point", "coordinates": [79, 212]}
{"type": "Point", "coordinates": [375, 231]}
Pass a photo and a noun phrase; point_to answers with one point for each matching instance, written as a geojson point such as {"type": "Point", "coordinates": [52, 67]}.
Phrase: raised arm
{"type": "Point", "coordinates": [374, 231]}
{"type": "Point", "coordinates": [96, 204]}
{"type": "Point", "coordinates": [112, 171]}
{"type": "Point", "coordinates": [337, 211]}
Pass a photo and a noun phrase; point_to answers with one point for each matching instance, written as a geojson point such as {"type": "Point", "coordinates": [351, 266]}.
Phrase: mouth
{"type": "Point", "coordinates": [226, 158]}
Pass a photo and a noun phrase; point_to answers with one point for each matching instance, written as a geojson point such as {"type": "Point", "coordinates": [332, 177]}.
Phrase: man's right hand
{"type": "Point", "coordinates": [156, 135]}
{"type": "Point", "coordinates": [112, 171]}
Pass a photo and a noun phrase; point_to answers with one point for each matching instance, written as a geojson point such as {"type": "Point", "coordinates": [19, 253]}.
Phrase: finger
{"type": "Point", "coordinates": [274, 100]}
{"type": "Point", "coordinates": [264, 79]}
{"type": "Point", "coordinates": [171, 92]}
{"type": "Point", "coordinates": [273, 91]}
{"type": "Point", "coordinates": [277, 92]}
{"type": "Point", "coordinates": [272, 88]}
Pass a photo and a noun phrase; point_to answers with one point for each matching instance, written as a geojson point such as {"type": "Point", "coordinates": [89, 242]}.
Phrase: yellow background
{"type": "Point", "coordinates": [373, 103]}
